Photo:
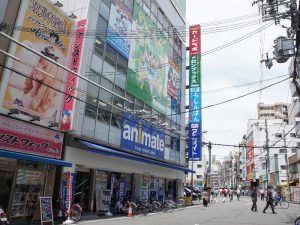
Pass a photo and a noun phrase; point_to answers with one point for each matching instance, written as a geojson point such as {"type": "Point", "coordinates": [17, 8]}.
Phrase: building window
{"type": "Point", "coordinates": [199, 166]}
{"type": "Point", "coordinates": [199, 176]}
{"type": "Point", "coordinates": [104, 11]}
{"type": "Point", "coordinates": [101, 28]}
{"type": "Point", "coordinates": [283, 167]}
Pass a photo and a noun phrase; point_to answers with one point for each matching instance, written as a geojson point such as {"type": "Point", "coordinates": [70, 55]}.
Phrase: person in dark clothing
{"type": "Point", "coordinates": [254, 200]}
{"type": "Point", "coordinates": [269, 201]}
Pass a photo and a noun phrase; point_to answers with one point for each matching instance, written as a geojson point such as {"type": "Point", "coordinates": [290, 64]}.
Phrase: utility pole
{"type": "Point", "coordinates": [209, 164]}
{"type": "Point", "coordinates": [287, 164]}
{"type": "Point", "coordinates": [268, 154]}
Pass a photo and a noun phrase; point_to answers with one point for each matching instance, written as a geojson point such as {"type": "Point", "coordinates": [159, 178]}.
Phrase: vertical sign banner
{"type": "Point", "coordinates": [243, 163]}
{"type": "Point", "coordinates": [72, 81]}
{"type": "Point", "coordinates": [195, 94]}
{"type": "Point", "coordinates": [250, 158]}
{"type": "Point", "coordinates": [35, 92]}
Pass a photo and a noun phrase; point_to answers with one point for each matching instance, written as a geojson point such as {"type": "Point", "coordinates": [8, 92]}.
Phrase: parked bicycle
{"type": "Point", "coordinates": [297, 220]}
{"type": "Point", "coordinates": [279, 201]}
{"type": "Point", "coordinates": [60, 214]}
{"type": "Point", "coordinates": [168, 206]}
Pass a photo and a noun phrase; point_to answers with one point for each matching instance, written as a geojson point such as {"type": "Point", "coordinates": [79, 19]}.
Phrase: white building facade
{"type": "Point", "coordinates": [126, 135]}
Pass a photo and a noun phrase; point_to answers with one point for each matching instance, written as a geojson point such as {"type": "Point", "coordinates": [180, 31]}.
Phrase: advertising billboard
{"type": "Point", "coordinates": [173, 79]}
{"type": "Point", "coordinates": [194, 94]}
{"type": "Point", "coordinates": [22, 137]}
{"type": "Point", "coordinates": [146, 78]}
{"type": "Point", "coordinates": [250, 166]}
{"type": "Point", "coordinates": [119, 28]}
{"type": "Point", "coordinates": [141, 137]}
{"type": "Point", "coordinates": [72, 81]}
{"type": "Point", "coordinates": [32, 90]}
{"type": "Point", "coordinates": [243, 163]}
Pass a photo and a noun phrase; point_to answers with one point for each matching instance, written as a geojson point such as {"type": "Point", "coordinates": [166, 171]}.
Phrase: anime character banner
{"type": "Point", "coordinates": [119, 26]}
{"type": "Point", "coordinates": [31, 88]}
{"type": "Point", "coordinates": [147, 79]}
{"type": "Point", "coordinates": [173, 79]}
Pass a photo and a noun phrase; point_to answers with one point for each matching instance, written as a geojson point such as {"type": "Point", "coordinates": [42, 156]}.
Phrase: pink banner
{"type": "Point", "coordinates": [23, 137]}
{"type": "Point", "coordinates": [69, 99]}
{"type": "Point", "coordinates": [195, 40]}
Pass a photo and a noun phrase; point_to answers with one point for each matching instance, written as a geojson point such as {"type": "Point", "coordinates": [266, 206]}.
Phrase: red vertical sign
{"type": "Point", "coordinates": [195, 40]}
{"type": "Point", "coordinates": [72, 82]}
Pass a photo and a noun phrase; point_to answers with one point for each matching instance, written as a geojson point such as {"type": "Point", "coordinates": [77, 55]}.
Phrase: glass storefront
{"type": "Point", "coordinates": [6, 180]}
{"type": "Point", "coordinates": [28, 188]}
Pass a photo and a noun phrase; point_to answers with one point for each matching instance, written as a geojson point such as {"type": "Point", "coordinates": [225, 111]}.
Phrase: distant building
{"type": "Point", "coordinates": [273, 111]}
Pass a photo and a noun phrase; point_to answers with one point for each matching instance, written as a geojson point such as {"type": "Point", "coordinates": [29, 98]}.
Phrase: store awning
{"type": "Point", "coordinates": [17, 155]}
{"type": "Point", "coordinates": [124, 155]}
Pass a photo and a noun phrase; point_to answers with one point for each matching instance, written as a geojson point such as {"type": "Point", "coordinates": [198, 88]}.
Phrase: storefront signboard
{"type": "Point", "coordinates": [119, 28]}
{"type": "Point", "coordinates": [250, 159]}
{"type": "Point", "coordinates": [244, 163]}
{"type": "Point", "coordinates": [141, 137]}
{"type": "Point", "coordinates": [19, 136]}
{"type": "Point", "coordinates": [72, 81]}
{"type": "Point", "coordinates": [36, 92]}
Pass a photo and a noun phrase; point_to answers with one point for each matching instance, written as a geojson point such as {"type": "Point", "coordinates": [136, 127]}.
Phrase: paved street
{"type": "Point", "coordinates": [228, 213]}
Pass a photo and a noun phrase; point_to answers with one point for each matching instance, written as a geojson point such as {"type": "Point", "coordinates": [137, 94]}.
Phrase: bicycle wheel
{"type": "Point", "coordinates": [156, 206]}
{"type": "Point", "coordinates": [297, 221]}
{"type": "Point", "coordinates": [76, 213]}
{"type": "Point", "coordinates": [284, 205]}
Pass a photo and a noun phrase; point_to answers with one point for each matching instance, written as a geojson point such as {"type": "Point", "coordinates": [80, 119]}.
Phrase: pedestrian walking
{"type": "Point", "coordinates": [262, 195]}
{"type": "Point", "coordinates": [243, 192]}
{"type": "Point", "coordinates": [231, 194]}
{"type": "Point", "coordinates": [254, 200]}
{"type": "Point", "coordinates": [238, 194]}
{"type": "Point", "coordinates": [269, 201]}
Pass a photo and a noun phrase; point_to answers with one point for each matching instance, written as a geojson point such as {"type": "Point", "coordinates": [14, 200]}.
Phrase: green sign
{"type": "Point", "coordinates": [194, 71]}
{"type": "Point", "coordinates": [149, 53]}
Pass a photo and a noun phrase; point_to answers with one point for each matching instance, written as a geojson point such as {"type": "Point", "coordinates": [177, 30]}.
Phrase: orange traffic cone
{"type": "Point", "coordinates": [130, 214]}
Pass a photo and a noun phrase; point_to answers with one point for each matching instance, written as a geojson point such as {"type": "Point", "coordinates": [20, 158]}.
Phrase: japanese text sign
{"type": "Point", "coordinates": [23, 137]}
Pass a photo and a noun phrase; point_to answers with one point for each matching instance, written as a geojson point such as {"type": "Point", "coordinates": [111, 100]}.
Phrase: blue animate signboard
{"type": "Point", "coordinates": [141, 137]}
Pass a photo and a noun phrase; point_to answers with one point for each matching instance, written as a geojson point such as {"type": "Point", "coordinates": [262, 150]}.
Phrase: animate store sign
{"type": "Point", "coordinates": [23, 137]}
{"type": "Point", "coordinates": [141, 137]}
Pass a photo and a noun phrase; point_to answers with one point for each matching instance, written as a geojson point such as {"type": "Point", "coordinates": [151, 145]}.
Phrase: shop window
{"type": "Point", "coordinates": [104, 10]}
{"type": "Point", "coordinates": [129, 106]}
{"type": "Point", "coordinates": [120, 78]}
{"type": "Point", "coordinates": [96, 63]}
{"type": "Point", "coordinates": [103, 115]}
{"type": "Point", "coordinates": [116, 118]}
{"type": "Point", "coordinates": [101, 28]}
{"type": "Point", "coordinates": [117, 101]}
{"type": "Point", "coordinates": [283, 167]}
{"type": "Point", "coordinates": [28, 188]}
{"type": "Point", "coordinates": [99, 45]}
{"type": "Point", "coordinates": [199, 176]}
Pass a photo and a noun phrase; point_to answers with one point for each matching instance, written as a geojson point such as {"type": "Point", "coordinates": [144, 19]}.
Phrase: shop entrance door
{"type": "Point", "coordinates": [82, 189]}
{"type": "Point", "coordinates": [6, 180]}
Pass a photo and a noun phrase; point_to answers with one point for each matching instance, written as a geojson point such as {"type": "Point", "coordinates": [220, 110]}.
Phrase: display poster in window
{"type": "Point", "coordinates": [46, 209]}
{"type": "Point", "coordinates": [31, 87]}
{"type": "Point", "coordinates": [147, 79]}
{"type": "Point", "coordinates": [101, 192]}
{"type": "Point", "coordinates": [173, 79]}
{"type": "Point", "coordinates": [119, 28]}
